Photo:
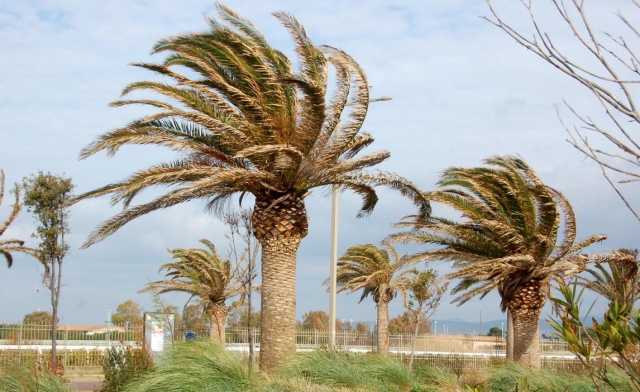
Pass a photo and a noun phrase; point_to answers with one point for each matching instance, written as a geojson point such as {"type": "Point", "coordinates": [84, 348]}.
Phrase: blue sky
{"type": "Point", "coordinates": [461, 92]}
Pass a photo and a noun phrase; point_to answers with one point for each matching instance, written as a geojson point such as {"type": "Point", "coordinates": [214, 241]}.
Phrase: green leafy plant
{"type": "Point", "coordinates": [122, 365]}
{"type": "Point", "coordinates": [613, 341]}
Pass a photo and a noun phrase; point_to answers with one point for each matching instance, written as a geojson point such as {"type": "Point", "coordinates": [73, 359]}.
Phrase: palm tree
{"type": "Point", "coordinates": [11, 245]}
{"type": "Point", "coordinates": [379, 273]}
{"type": "Point", "coordinates": [202, 274]}
{"type": "Point", "coordinates": [515, 236]}
{"type": "Point", "coordinates": [247, 123]}
{"type": "Point", "coordinates": [615, 276]}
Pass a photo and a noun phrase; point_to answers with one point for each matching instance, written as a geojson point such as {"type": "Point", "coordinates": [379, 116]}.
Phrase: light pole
{"type": "Point", "coordinates": [335, 209]}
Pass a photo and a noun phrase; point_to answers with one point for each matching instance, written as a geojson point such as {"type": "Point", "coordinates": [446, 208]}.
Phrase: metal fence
{"type": "Point", "coordinates": [81, 347]}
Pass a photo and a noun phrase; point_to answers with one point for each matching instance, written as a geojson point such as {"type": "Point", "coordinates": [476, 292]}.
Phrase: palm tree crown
{"type": "Point", "coordinates": [379, 273]}
{"type": "Point", "coordinates": [246, 122]}
{"type": "Point", "coordinates": [203, 274]}
{"type": "Point", "coordinates": [514, 229]}
{"type": "Point", "coordinates": [515, 236]}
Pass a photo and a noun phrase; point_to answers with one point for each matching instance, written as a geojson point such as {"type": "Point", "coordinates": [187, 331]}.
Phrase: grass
{"type": "Point", "coordinates": [200, 366]}
{"type": "Point", "coordinates": [27, 380]}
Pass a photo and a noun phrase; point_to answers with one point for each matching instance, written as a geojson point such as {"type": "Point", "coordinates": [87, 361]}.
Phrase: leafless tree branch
{"type": "Point", "coordinates": [612, 85]}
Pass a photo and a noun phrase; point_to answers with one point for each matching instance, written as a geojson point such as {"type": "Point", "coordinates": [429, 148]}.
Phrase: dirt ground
{"type": "Point", "coordinates": [85, 384]}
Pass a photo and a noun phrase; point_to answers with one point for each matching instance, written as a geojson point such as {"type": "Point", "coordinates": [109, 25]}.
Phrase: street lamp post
{"type": "Point", "coordinates": [335, 208]}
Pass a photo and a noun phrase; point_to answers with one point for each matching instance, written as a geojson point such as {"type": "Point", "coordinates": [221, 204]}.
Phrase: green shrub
{"type": "Point", "coordinates": [26, 379]}
{"type": "Point", "coordinates": [511, 378]}
{"type": "Point", "coordinates": [122, 365]}
{"type": "Point", "coordinates": [195, 367]}
{"type": "Point", "coordinates": [366, 372]}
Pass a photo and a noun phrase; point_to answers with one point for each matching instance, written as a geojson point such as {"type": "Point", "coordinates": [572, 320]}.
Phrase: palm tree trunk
{"type": "Point", "coordinates": [218, 319]}
{"type": "Point", "coordinates": [525, 309]}
{"type": "Point", "coordinates": [526, 347]}
{"type": "Point", "coordinates": [383, 326]}
{"type": "Point", "coordinates": [279, 225]}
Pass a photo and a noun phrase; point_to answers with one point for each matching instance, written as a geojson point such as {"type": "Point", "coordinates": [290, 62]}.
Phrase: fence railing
{"type": "Point", "coordinates": [84, 347]}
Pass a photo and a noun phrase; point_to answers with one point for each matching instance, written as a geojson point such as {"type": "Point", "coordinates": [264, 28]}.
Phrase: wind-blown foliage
{"type": "Point", "coordinates": [203, 274]}
{"type": "Point", "coordinates": [516, 236]}
{"type": "Point", "coordinates": [11, 245]}
{"type": "Point", "coordinates": [379, 273]}
{"type": "Point", "coordinates": [249, 123]}
{"type": "Point", "coordinates": [246, 122]}
{"type": "Point", "coordinates": [615, 276]}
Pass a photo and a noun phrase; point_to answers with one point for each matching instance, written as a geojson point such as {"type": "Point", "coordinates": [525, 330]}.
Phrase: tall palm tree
{"type": "Point", "coordinates": [515, 236]}
{"type": "Point", "coordinates": [247, 123]}
{"type": "Point", "coordinates": [379, 273]}
{"type": "Point", "coordinates": [202, 274]}
{"type": "Point", "coordinates": [615, 276]}
{"type": "Point", "coordinates": [11, 245]}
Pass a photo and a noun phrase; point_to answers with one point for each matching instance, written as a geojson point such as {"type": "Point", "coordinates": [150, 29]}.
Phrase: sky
{"type": "Point", "coordinates": [462, 91]}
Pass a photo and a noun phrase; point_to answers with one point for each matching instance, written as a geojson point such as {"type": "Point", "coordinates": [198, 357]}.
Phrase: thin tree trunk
{"type": "Point", "coordinates": [416, 329]}
{"type": "Point", "coordinates": [55, 281]}
{"type": "Point", "coordinates": [218, 315]}
{"type": "Point", "coordinates": [383, 326]}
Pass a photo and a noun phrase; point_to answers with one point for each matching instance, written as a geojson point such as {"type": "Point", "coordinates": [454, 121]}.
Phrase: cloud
{"type": "Point", "coordinates": [461, 92]}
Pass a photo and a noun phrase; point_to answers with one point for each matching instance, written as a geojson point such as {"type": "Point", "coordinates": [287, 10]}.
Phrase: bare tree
{"type": "Point", "coordinates": [421, 292]}
{"type": "Point", "coordinates": [610, 73]}
{"type": "Point", "coordinates": [243, 250]}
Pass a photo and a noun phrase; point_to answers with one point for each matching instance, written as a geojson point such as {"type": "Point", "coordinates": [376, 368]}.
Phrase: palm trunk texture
{"type": "Point", "coordinates": [383, 326]}
{"type": "Point", "coordinates": [525, 308]}
{"type": "Point", "coordinates": [218, 320]}
{"type": "Point", "coordinates": [279, 225]}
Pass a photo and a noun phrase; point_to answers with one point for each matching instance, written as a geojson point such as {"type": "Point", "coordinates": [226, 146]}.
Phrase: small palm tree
{"type": "Point", "coordinates": [516, 235]}
{"type": "Point", "coordinates": [202, 274]}
{"type": "Point", "coordinates": [615, 276]}
{"type": "Point", "coordinates": [11, 245]}
{"type": "Point", "coordinates": [379, 273]}
{"type": "Point", "coordinates": [245, 122]}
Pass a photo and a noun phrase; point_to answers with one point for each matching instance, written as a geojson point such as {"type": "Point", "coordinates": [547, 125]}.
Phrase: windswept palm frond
{"type": "Point", "coordinates": [11, 245]}
{"type": "Point", "coordinates": [615, 276]}
{"type": "Point", "coordinates": [378, 271]}
{"type": "Point", "coordinates": [514, 229]}
{"type": "Point", "coordinates": [201, 273]}
{"type": "Point", "coordinates": [246, 121]}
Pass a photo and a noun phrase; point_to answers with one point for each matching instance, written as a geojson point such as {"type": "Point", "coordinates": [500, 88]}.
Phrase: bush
{"type": "Point", "coordinates": [511, 378]}
{"type": "Point", "coordinates": [122, 365]}
{"type": "Point", "coordinates": [26, 379]}
{"type": "Point", "coordinates": [368, 372]}
{"type": "Point", "coordinates": [195, 367]}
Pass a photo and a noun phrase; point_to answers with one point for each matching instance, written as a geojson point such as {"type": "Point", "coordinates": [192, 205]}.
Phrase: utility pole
{"type": "Point", "coordinates": [335, 209]}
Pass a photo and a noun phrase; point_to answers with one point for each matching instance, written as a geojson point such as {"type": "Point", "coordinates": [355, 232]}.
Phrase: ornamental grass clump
{"type": "Point", "coordinates": [351, 371]}
{"type": "Point", "coordinates": [195, 367]}
{"type": "Point", "coordinates": [25, 379]}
